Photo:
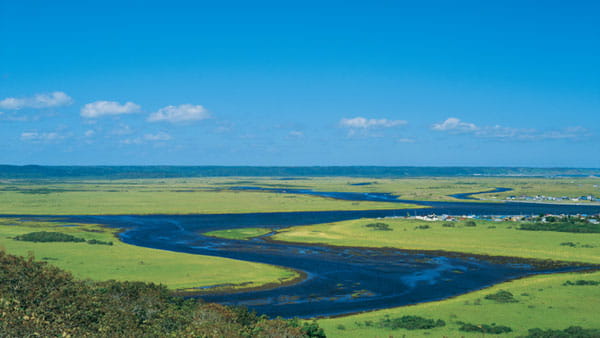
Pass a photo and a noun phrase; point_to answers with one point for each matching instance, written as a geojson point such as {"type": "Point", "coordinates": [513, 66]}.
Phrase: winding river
{"type": "Point", "coordinates": [338, 280]}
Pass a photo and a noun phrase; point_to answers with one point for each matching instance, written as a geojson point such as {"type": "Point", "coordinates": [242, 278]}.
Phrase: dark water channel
{"type": "Point", "coordinates": [339, 280]}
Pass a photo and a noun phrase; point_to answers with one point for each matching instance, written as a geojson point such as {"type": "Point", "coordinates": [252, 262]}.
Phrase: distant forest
{"type": "Point", "coordinates": [124, 172]}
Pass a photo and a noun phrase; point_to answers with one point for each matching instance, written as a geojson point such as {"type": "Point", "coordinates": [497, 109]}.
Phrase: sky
{"type": "Point", "coordinates": [300, 83]}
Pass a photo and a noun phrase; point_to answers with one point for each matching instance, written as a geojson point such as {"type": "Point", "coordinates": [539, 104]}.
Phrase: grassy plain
{"type": "Point", "coordinates": [243, 233]}
{"type": "Point", "coordinates": [174, 196]}
{"type": "Point", "coordinates": [210, 195]}
{"type": "Point", "coordinates": [122, 261]}
{"type": "Point", "coordinates": [543, 301]}
{"type": "Point", "coordinates": [487, 238]}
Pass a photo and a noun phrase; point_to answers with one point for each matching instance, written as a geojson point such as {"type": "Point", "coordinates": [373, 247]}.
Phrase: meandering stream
{"type": "Point", "coordinates": [339, 280]}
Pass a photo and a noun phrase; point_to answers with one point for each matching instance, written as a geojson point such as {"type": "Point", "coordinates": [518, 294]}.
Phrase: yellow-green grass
{"type": "Point", "coordinates": [543, 302]}
{"type": "Point", "coordinates": [549, 304]}
{"type": "Point", "coordinates": [243, 233]}
{"type": "Point", "coordinates": [439, 188]}
{"type": "Point", "coordinates": [158, 197]}
{"type": "Point", "coordinates": [206, 195]}
{"type": "Point", "coordinates": [128, 262]}
{"type": "Point", "coordinates": [487, 238]}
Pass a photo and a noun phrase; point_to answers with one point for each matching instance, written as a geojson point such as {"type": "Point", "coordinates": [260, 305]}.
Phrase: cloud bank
{"type": "Point", "coordinates": [364, 123]}
{"type": "Point", "coordinates": [181, 113]}
{"type": "Point", "coordinates": [102, 108]}
{"type": "Point", "coordinates": [456, 126]}
{"type": "Point", "coordinates": [38, 101]}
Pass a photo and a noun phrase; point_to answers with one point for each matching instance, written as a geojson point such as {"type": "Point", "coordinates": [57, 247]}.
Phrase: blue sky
{"type": "Point", "coordinates": [478, 83]}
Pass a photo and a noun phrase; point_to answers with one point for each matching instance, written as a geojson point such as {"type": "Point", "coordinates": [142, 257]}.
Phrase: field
{"type": "Point", "coordinates": [543, 301]}
{"type": "Point", "coordinates": [243, 233]}
{"type": "Point", "coordinates": [212, 195]}
{"type": "Point", "coordinates": [122, 261]}
{"type": "Point", "coordinates": [174, 196]}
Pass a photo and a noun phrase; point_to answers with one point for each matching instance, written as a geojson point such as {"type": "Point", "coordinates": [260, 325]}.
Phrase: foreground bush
{"type": "Point", "coordinates": [37, 299]}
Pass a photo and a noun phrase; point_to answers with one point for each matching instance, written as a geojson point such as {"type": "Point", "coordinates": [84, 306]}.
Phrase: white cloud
{"type": "Point", "coordinates": [46, 100]}
{"type": "Point", "coordinates": [160, 136]}
{"type": "Point", "coordinates": [89, 133]}
{"type": "Point", "coordinates": [454, 124]}
{"type": "Point", "coordinates": [296, 133]}
{"type": "Point", "coordinates": [123, 129]}
{"type": "Point", "coordinates": [102, 108]}
{"type": "Point", "coordinates": [181, 113]}
{"type": "Point", "coordinates": [406, 140]}
{"type": "Point", "coordinates": [41, 137]}
{"type": "Point", "coordinates": [364, 123]}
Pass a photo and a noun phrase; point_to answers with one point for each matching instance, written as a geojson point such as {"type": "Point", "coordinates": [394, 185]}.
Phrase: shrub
{"type": "Point", "coordinates": [48, 236]}
{"type": "Point", "coordinates": [41, 300]}
{"type": "Point", "coordinates": [484, 328]}
{"type": "Point", "coordinates": [470, 224]}
{"type": "Point", "coordinates": [448, 225]}
{"type": "Point", "coordinates": [410, 323]}
{"type": "Point", "coordinates": [572, 331]}
{"type": "Point", "coordinates": [502, 296]}
{"type": "Point", "coordinates": [582, 282]}
{"type": "Point", "coordinates": [95, 241]}
{"type": "Point", "coordinates": [562, 227]}
{"type": "Point", "coordinates": [379, 226]}
{"type": "Point", "coordinates": [422, 227]}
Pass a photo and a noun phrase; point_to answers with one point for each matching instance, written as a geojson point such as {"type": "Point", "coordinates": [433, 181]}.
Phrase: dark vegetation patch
{"type": "Point", "coordinates": [423, 227]}
{"type": "Point", "coordinates": [405, 322]}
{"type": "Point", "coordinates": [50, 236]}
{"type": "Point", "coordinates": [561, 224]}
{"type": "Point", "coordinates": [379, 226]}
{"type": "Point", "coordinates": [581, 282]}
{"type": "Point", "coordinates": [577, 245]}
{"type": "Point", "coordinates": [470, 224]}
{"type": "Point", "coordinates": [484, 328]}
{"type": "Point", "coordinates": [502, 296]}
{"type": "Point", "coordinates": [448, 225]}
{"type": "Point", "coordinates": [95, 241]}
{"type": "Point", "coordinates": [41, 300]}
{"type": "Point", "coordinates": [570, 332]}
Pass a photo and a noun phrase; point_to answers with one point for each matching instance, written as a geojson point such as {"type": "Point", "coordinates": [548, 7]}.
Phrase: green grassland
{"type": "Point", "coordinates": [487, 238]}
{"type": "Point", "coordinates": [243, 233]}
{"type": "Point", "coordinates": [123, 262]}
{"type": "Point", "coordinates": [543, 301]}
{"type": "Point", "coordinates": [210, 195]}
{"type": "Point", "coordinates": [438, 189]}
{"type": "Point", "coordinates": [174, 196]}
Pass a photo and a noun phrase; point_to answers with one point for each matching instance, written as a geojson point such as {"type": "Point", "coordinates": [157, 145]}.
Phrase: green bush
{"type": "Point", "coordinates": [423, 227]}
{"type": "Point", "coordinates": [410, 323]}
{"type": "Point", "coordinates": [379, 226]}
{"type": "Point", "coordinates": [470, 224]}
{"type": "Point", "coordinates": [570, 332]}
{"type": "Point", "coordinates": [41, 300]}
{"type": "Point", "coordinates": [502, 296]}
{"type": "Point", "coordinates": [48, 236]}
{"type": "Point", "coordinates": [95, 241]}
{"type": "Point", "coordinates": [582, 282]}
{"type": "Point", "coordinates": [484, 328]}
{"type": "Point", "coordinates": [562, 227]}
